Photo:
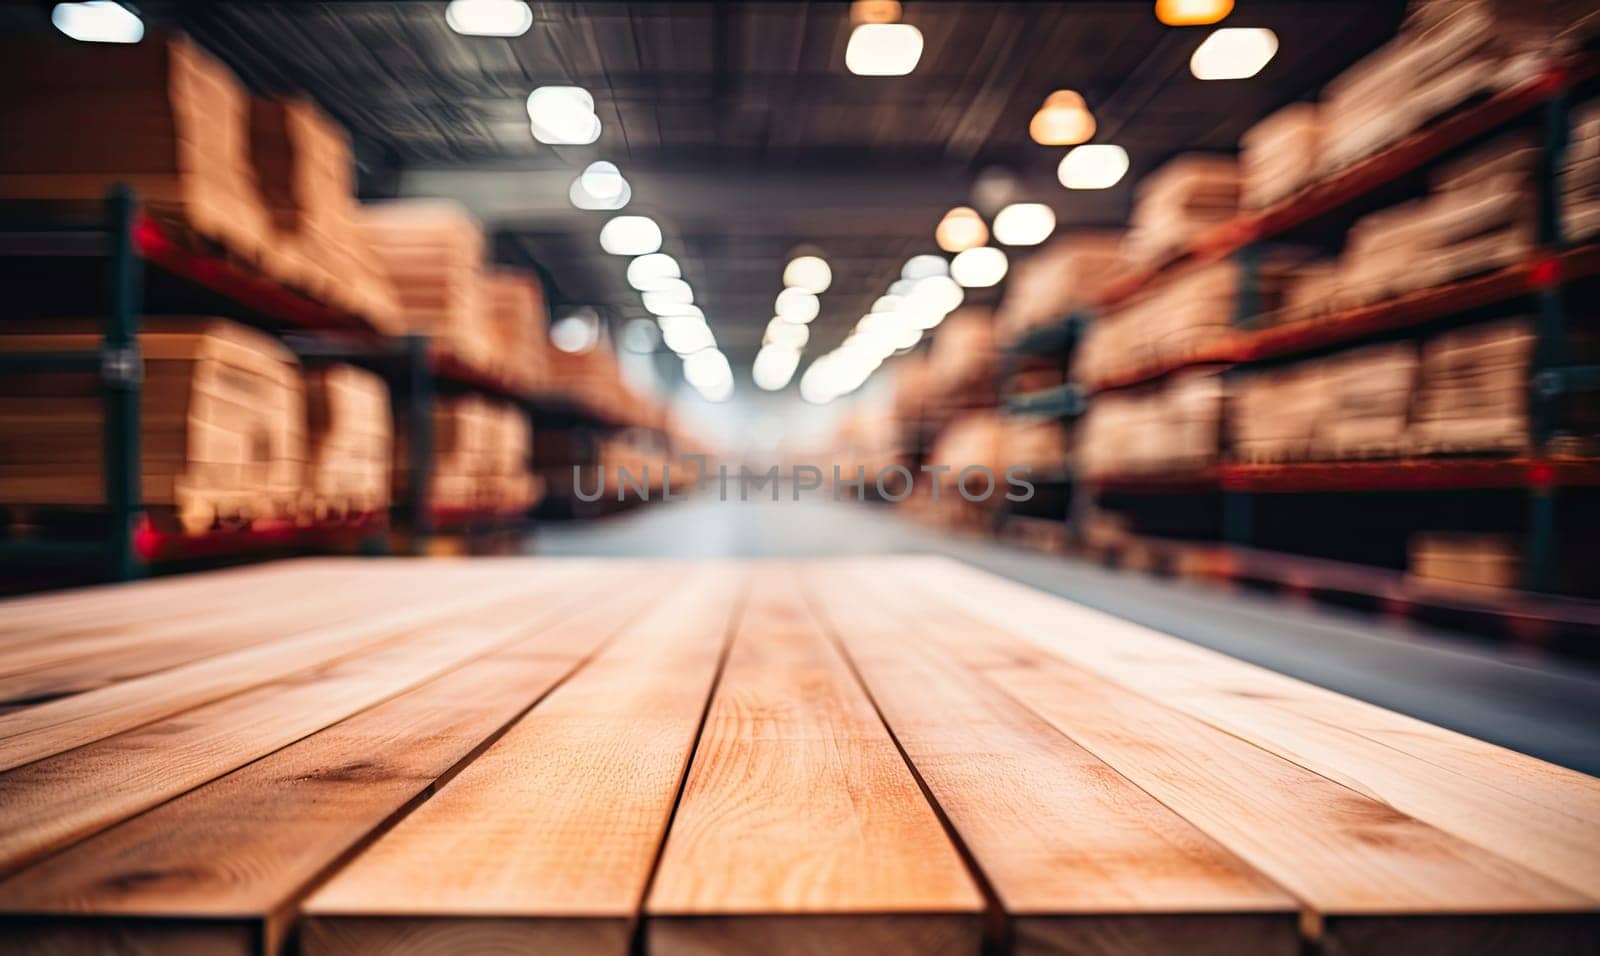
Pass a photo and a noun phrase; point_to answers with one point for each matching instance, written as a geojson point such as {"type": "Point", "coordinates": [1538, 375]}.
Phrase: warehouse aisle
{"type": "Point", "coordinates": [1536, 704]}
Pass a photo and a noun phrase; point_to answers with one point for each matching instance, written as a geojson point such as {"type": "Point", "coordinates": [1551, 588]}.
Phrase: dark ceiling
{"type": "Point", "coordinates": [742, 132]}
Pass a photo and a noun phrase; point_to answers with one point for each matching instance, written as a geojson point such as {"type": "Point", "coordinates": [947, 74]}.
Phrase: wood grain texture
{"type": "Point", "coordinates": [1534, 813]}
{"type": "Point", "coordinates": [240, 851]}
{"type": "Point", "coordinates": [1341, 852]}
{"type": "Point", "coordinates": [563, 817]}
{"type": "Point", "coordinates": [1058, 834]}
{"type": "Point", "coordinates": [37, 732]}
{"type": "Point", "coordinates": [50, 803]}
{"type": "Point", "coordinates": [799, 810]}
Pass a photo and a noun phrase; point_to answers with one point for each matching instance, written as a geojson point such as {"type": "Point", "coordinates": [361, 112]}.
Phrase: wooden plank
{"type": "Point", "coordinates": [53, 802]}
{"type": "Point", "coordinates": [1349, 857]}
{"type": "Point", "coordinates": [546, 841]}
{"type": "Point", "coordinates": [1081, 860]}
{"type": "Point", "coordinates": [52, 728]}
{"type": "Point", "coordinates": [49, 670]}
{"type": "Point", "coordinates": [231, 858]}
{"type": "Point", "coordinates": [1534, 813]}
{"type": "Point", "coordinates": [800, 828]}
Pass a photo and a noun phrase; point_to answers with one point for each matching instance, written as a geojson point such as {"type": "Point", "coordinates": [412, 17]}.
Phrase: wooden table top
{"type": "Point", "coordinates": [873, 755]}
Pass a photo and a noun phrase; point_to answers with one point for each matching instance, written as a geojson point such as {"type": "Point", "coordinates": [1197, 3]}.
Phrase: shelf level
{"type": "Point", "coordinates": [1353, 182]}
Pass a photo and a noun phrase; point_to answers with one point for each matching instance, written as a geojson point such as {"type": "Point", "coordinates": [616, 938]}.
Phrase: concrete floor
{"type": "Point", "coordinates": [1539, 704]}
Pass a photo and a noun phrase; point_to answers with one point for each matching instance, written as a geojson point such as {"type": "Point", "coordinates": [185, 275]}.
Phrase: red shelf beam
{"type": "Point", "coordinates": [154, 545]}
{"type": "Point", "coordinates": [255, 292]}
{"type": "Point", "coordinates": [1441, 474]}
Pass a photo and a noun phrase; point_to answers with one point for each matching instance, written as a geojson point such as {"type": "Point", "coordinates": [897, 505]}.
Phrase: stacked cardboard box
{"type": "Point", "coordinates": [1480, 215]}
{"type": "Point", "coordinates": [1454, 559]}
{"type": "Point", "coordinates": [1278, 155]}
{"type": "Point", "coordinates": [1273, 414]}
{"type": "Point", "coordinates": [1175, 319]}
{"type": "Point", "coordinates": [517, 321]}
{"type": "Point", "coordinates": [972, 438]}
{"type": "Point", "coordinates": [1368, 404]}
{"type": "Point", "coordinates": [305, 168]}
{"type": "Point", "coordinates": [1580, 175]}
{"type": "Point", "coordinates": [222, 421]}
{"type": "Point", "coordinates": [1177, 202]}
{"type": "Point", "coordinates": [481, 457]}
{"type": "Point", "coordinates": [1473, 391]}
{"type": "Point", "coordinates": [1041, 444]}
{"type": "Point", "coordinates": [349, 441]}
{"type": "Point", "coordinates": [1172, 427]}
{"type": "Point", "coordinates": [1068, 274]}
{"type": "Point", "coordinates": [160, 116]}
{"type": "Point", "coordinates": [432, 252]}
{"type": "Point", "coordinates": [1448, 53]}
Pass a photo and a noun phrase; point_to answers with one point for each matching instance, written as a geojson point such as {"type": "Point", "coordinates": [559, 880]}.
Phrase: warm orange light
{"type": "Point", "coordinates": [1063, 120]}
{"type": "Point", "coordinates": [1192, 13]}
{"type": "Point", "coordinates": [961, 229]}
{"type": "Point", "coordinates": [874, 11]}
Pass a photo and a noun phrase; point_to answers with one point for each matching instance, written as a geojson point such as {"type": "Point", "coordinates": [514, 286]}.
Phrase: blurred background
{"type": "Point", "coordinates": [1289, 297]}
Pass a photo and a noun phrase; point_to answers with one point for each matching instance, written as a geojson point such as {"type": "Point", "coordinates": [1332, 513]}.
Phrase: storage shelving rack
{"type": "Point", "coordinates": [116, 260]}
{"type": "Point", "coordinates": [1051, 346]}
{"type": "Point", "coordinates": [1542, 282]}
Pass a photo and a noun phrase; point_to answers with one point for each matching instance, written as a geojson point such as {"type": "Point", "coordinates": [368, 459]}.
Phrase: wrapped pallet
{"type": "Point", "coordinates": [432, 252]}
{"type": "Point", "coordinates": [349, 441]}
{"type": "Point", "coordinates": [1170, 428]}
{"type": "Point", "coordinates": [160, 116]}
{"type": "Point", "coordinates": [509, 478]}
{"type": "Point", "coordinates": [1066, 275]}
{"type": "Point", "coordinates": [1580, 175]}
{"type": "Point", "coordinates": [1173, 320]}
{"type": "Point", "coordinates": [222, 433]}
{"type": "Point", "coordinates": [1040, 444]}
{"type": "Point", "coordinates": [1448, 53]}
{"type": "Point", "coordinates": [1472, 395]}
{"type": "Point", "coordinates": [591, 378]}
{"type": "Point", "coordinates": [1278, 155]}
{"type": "Point", "coordinates": [1273, 414]}
{"type": "Point", "coordinates": [305, 167]}
{"type": "Point", "coordinates": [1177, 202]}
{"type": "Point", "coordinates": [517, 324]}
{"type": "Point", "coordinates": [1369, 402]}
{"type": "Point", "coordinates": [1455, 559]}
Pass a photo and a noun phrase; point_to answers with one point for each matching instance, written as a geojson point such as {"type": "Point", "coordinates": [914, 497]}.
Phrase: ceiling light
{"type": "Point", "coordinates": [1233, 53]}
{"type": "Point", "coordinates": [563, 116]}
{"type": "Point", "coordinates": [923, 266]}
{"type": "Point", "coordinates": [886, 303]}
{"type": "Point", "coordinates": [1099, 166]}
{"type": "Point", "coordinates": [961, 228]}
{"type": "Point", "coordinates": [630, 236]}
{"type": "Point", "coordinates": [98, 22]}
{"type": "Point", "coordinates": [581, 199]}
{"type": "Point", "coordinates": [875, 11]}
{"type": "Point", "coordinates": [979, 268]}
{"type": "Point", "coordinates": [603, 180]}
{"type": "Point", "coordinates": [810, 273]}
{"type": "Point", "coordinates": [682, 312]}
{"type": "Point", "coordinates": [489, 18]}
{"type": "Point", "coordinates": [577, 331]}
{"type": "Point", "coordinates": [1024, 224]}
{"type": "Point", "coordinates": [774, 367]}
{"type": "Point", "coordinates": [903, 287]}
{"type": "Point", "coordinates": [787, 335]}
{"type": "Point", "coordinates": [671, 298]}
{"type": "Point", "coordinates": [883, 49]}
{"type": "Point", "coordinates": [1063, 120]}
{"type": "Point", "coordinates": [817, 385]}
{"type": "Point", "coordinates": [939, 294]}
{"type": "Point", "coordinates": [707, 368]}
{"type": "Point", "coordinates": [1192, 13]}
{"type": "Point", "coordinates": [796, 305]}
{"type": "Point", "coordinates": [685, 335]}
{"type": "Point", "coordinates": [647, 271]}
